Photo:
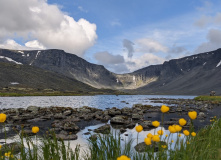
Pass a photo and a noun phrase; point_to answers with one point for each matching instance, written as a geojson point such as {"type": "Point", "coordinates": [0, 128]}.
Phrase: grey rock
{"type": "Point", "coordinates": [114, 111]}
{"type": "Point", "coordinates": [67, 113]}
{"type": "Point", "coordinates": [122, 130]}
{"type": "Point", "coordinates": [137, 116]}
{"type": "Point", "coordinates": [66, 137]}
{"type": "Point", "coordinates": [36, 120]}
{"type": "Point", "coordinates": [201, 115]}
{"type": "Point", "coordinates": [59, 116]}
{"type": "Point", "coordinates": [33, 109]}
{"type": "Point", "coordinates": [70, 126]}
{"type": "Point", "coordinates": [103, 129]}
{"type": "Point", "coordinates": [120, 120]}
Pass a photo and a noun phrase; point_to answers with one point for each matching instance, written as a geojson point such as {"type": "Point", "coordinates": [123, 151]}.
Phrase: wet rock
{"type": "Point", "coordinates": [66, 125]}
{"type": "Point", "coordinates": [120, 120]}
{"type": "Point", "coordinates": [201, 115]}
{"type": "Point", "coordinates": [87, 133]}
{"type": "Point", "coordinates": [137, 106]}
{"type": "Point", "coordinates": [131, 125]}
{"type": "Point", "coordinates": [36, 120]}
{"type": "Point", "coordinates": [105, 118]}
{"type": "Point", "coordinates": [70, 126]}
{"type": "Point", "coordinates": [146, 125]}
{"type": "Point", "coordinates": [67, 113]}
{"type": "Point", "coordinates": [93, 137]}
{"type": "Point", "coordinates": [33, 109]}
{"type": "Point", "coordinates": [137, 116]}
{"type": "Point", "coordinates": [103, 129]}
{"type": "Point", "coordinates": [114, 111]}
{"type": "Point", "coordinates": [179, 109]}
{"type": "Point", "coordinates": [122, 130]}
{"type": "Point", "coordinates": [59, 116]}
{"type": "Point", "coordinates": [126, 111]}
{"type": "Point", "coordinates": [66, 136]}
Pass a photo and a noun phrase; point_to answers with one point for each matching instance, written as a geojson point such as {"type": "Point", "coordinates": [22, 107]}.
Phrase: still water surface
{"type": "Point", "coordinates": [98, 101]}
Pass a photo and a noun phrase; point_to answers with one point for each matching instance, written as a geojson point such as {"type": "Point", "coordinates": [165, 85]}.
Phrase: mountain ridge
{"type": "Point", "coordinates": [154, 79]}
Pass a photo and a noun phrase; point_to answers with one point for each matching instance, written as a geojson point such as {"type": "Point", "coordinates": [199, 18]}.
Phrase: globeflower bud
{"type": "Point", "coordinates": [192, 114]}
{"type": "Point", "coordinates": [164, 109]}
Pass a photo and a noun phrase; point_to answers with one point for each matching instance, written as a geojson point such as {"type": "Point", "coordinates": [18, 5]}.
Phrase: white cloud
{"type": "Point", "coordinates": [34, 44]}
{"type": "Point", "coordinates": [213, 43]}
{"type": "Point", "coordinates": [82, 9]}
{"type": "Point", "coordinates": [129, 47]}
{"type": "Point", "coordinates": [107, 58]}
{"type": "Point", "coordinates": [206, 20]}
{"type": "Point", "coordinates": [150, 46]}
{"type": "Point", "coordinates": [11, 44]}
{"type": "Point", "coordinates": [143, 61]}
{"type": "Point", "coordinates": [115, 22]}
{"type": "Point", "coordinates": [38, 20]}
{"type": "Point", "coordinates": [203, 21]}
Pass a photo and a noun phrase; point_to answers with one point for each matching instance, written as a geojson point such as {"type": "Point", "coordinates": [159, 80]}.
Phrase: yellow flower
{"type": "Point", "coordinates": [192, 114]}
{"type": "Point", "coordinates": [147, 141]}
{"type": "Point", "coordinates": [186, 133]}
{"type": "Point", "coordinates": [193, 134]}
{"type": "Point", "coordinates": [164, 146]}
{"type": "Point", "coordinates": [139, 128]}
{"type": "Point", "coordinates": [149, 135]}
{"type": "Point", "coordinates": [179, 135]}
{"type": "Point", "coordinates": [182, 122]}
{"type": "Point", "coordinates": [172, 129]}
{"type": "Point", "coordinates": [7, 154]}
{"type": "Point", "coordinates": [35, 129]}
{"type": "Point", "coordinates": [172, 141]}
{"type": "Point", "coordinates": [178, 128]}
{"type": "Point", "coordinates": [156, 138]}
{"type": "Point", "coordinates": [12, 156]}
{"type": "Point", "coordinates": [160, 132]}
{"type": "Point", "coordinates": [166, 135]}
{"type": "Point", "coordinates": [164, 109]}
{"type": "Point", "coordinates": [155, 123]}
{"type": "Point", "coordinates": [123, 157]}
{"type": "Point", "coordinates": [2, 117]}
{"type": "Point", "coordinates": [0, 146]}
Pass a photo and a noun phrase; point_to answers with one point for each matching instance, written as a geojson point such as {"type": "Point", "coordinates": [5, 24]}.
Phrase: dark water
{"type": "Point", "coordinates": [98, 101]}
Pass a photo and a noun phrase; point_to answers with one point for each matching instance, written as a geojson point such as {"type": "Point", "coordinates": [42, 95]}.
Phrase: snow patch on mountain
{"type": "Point", "coordinates": [10, 60]}
{"type": "Point", "coordinates": [218, 64]}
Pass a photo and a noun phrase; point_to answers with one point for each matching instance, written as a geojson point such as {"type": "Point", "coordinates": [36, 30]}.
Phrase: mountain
{"type": "Point", "coordinates": [26, 79]}
{"type": "Point", "coordinates": [63, 63]}
{"type": "Point", "coordinates": [195, 74]}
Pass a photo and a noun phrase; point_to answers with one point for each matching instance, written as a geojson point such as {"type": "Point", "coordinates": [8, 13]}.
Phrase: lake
{"type": "Point", "coordinates": [97, 101]}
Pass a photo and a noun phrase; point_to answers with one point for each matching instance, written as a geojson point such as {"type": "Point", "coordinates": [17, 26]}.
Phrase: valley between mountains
{"type": "Point", "coordinates": [55, 71]}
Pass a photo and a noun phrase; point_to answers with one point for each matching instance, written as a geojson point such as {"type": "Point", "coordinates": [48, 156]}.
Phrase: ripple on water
{"type": "Point", "coordinates": [98, 101]}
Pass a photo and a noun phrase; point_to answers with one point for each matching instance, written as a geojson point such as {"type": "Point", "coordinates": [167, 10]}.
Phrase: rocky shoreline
{"type": "Point", "coordinates": [67, 122]}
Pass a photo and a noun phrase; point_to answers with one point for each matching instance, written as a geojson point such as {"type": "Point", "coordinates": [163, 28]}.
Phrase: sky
{"type": "Point", "coordinates": [122, 35]}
